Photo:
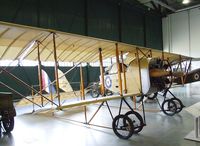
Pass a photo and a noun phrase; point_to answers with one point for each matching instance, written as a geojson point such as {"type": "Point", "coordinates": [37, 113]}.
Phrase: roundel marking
{"type": "Point", "coordinates": [108, 82]}
{"type": "Point", "coordinates": [196, 76]}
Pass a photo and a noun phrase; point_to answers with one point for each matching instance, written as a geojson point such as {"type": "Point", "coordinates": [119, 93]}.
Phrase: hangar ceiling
{"type": "Point", "coordinates": [166, 7]}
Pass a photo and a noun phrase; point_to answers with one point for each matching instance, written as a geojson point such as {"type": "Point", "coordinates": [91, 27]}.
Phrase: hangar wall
{"type": "Point", "coordinates": [181, 33]}
{"type": "Point", "coordinates": [122, 20]}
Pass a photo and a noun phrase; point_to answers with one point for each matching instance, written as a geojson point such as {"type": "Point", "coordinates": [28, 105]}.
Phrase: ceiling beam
{"type": "Point", "coordinates": [188, 8]}
{"type": "Point", "coordinates": [164, 5]}
{"type": "Point", "coordinates": [145, 1]}
{"type": "Point", "coordinates": [154, 5]}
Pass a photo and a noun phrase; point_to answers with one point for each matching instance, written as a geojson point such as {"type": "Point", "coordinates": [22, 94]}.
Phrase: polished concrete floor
{"type": "Point", "coordinates": [57, 128]}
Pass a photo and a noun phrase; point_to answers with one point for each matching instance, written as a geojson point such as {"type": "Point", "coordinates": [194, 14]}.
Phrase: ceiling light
{"type": "Point", "coordinates": [186, 1]}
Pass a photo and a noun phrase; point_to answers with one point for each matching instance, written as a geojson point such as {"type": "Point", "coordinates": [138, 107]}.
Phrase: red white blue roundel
{"type": "Point", "coordinates": [196, 76]}
{"type": "Point", "coordinates": [108, 82]}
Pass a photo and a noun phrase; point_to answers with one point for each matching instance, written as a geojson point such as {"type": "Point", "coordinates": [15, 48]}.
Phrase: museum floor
{"type": "Point", "coordinates": [57, 128]}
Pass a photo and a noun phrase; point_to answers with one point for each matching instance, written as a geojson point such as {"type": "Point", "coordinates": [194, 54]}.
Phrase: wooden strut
{"type": "Point", "coordinates": [32, 93]}
{"type": "Point", "coordinates": [147, 54]}
{"type": "Point", "coordinates": [187, 71]}
{"type": "Point", "coordinates": [150, 53]}
{"type": "Point", "coordinates": [101, 72]}
{"type": "Point", "coordinates": [56, 70]}
{"type": "Point", "coordinates": [40, 73]}
{"type": "Point", "coordinates": [82, 91]}
{"type": "Point", "coordinates": [119, 70]}
{"type": "Point", "coordinates": [163, 55]}
{"type": "Point", "coordinates": [138, 61]}
{"type": "Point", "coordinates": [124, 73]}
{"type": "Point", "coordinates": [180, 57]}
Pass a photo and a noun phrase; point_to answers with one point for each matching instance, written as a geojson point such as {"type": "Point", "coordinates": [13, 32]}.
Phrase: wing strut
{"type": "Point", "coordinates": [82, 91]}
{"type": "Point", "coordinates": [102, 72]}
{"type": "Point", "coordinates": [40, 72]}
{"type": "Point", "coordinates": [119, 70]}
{"type": "Point", "coordinates": [56, 69]}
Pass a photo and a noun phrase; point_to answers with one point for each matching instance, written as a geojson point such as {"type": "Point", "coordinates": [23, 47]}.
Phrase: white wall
{"type": "Point", "coordinates": [181, 33]}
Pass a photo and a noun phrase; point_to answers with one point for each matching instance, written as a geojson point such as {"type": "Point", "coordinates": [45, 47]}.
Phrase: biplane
{"type": "Point", "coordinates": [138, 71]}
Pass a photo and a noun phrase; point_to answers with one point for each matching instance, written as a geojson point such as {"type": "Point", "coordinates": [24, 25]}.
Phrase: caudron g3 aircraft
{"type": "Point", "coordinates": [143, 72]}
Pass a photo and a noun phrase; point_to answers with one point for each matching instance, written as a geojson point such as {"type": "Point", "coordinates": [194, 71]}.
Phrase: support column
{"type": "Point", "coordinates": [119, 70]}
{"type": "Point", "coordinates": [56, 70]}
{"type": "Point", "coordinates": [82, 91]}
{"type": "Point", "coordinates": [124, 73]}
{"type": "Point", "coordinates": [40, 73]}
{"type": "Point", "coordinates": [101, 72]}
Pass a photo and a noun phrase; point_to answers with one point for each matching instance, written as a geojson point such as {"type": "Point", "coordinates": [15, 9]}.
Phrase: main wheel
{"type": "Point", "coordinates": [8, 124]}
{"type": "Point", "coordinates": [123, 126]}
{"type": "Point", "coordinates": [137, 121]}
{"type": "Point", "coordinates": [179, 104]}
{"type": "Point", "coordinates": [169, 107]}
{"type": "Point", "coordinates": [94, 92]}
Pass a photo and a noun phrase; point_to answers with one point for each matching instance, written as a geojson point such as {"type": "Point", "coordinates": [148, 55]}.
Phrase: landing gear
{"type": "Point", "coordinates": [137, 121]}
{"type": "Point", "coordinates": [171, 106]}
{"type": "Point", "coordinates": [179, 104]}
{"type": "Point", "coordinates": [123, 126]}
{"type": "Point", "coordinates": [94, 91]}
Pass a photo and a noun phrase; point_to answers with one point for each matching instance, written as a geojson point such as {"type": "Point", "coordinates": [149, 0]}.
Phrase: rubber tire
{"type": "Point", "coordinates": [130, 124]}
{"type": "Point", "coordinates": [92, 93]}
{"type": "Point", "coordinates": [180, 107]}
{"type": "Point", "coordinates": [168, 101]}
{"type": "Point", "coordinates": [8, 124]}
{"type": "Point", "coordinates": [138, 128]}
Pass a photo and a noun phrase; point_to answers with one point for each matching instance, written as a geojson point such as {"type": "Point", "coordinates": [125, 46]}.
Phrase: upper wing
{"type": "Point", "coordinates": [171, 57]}
{"type": "Point", "coordinates": [17, 41]}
